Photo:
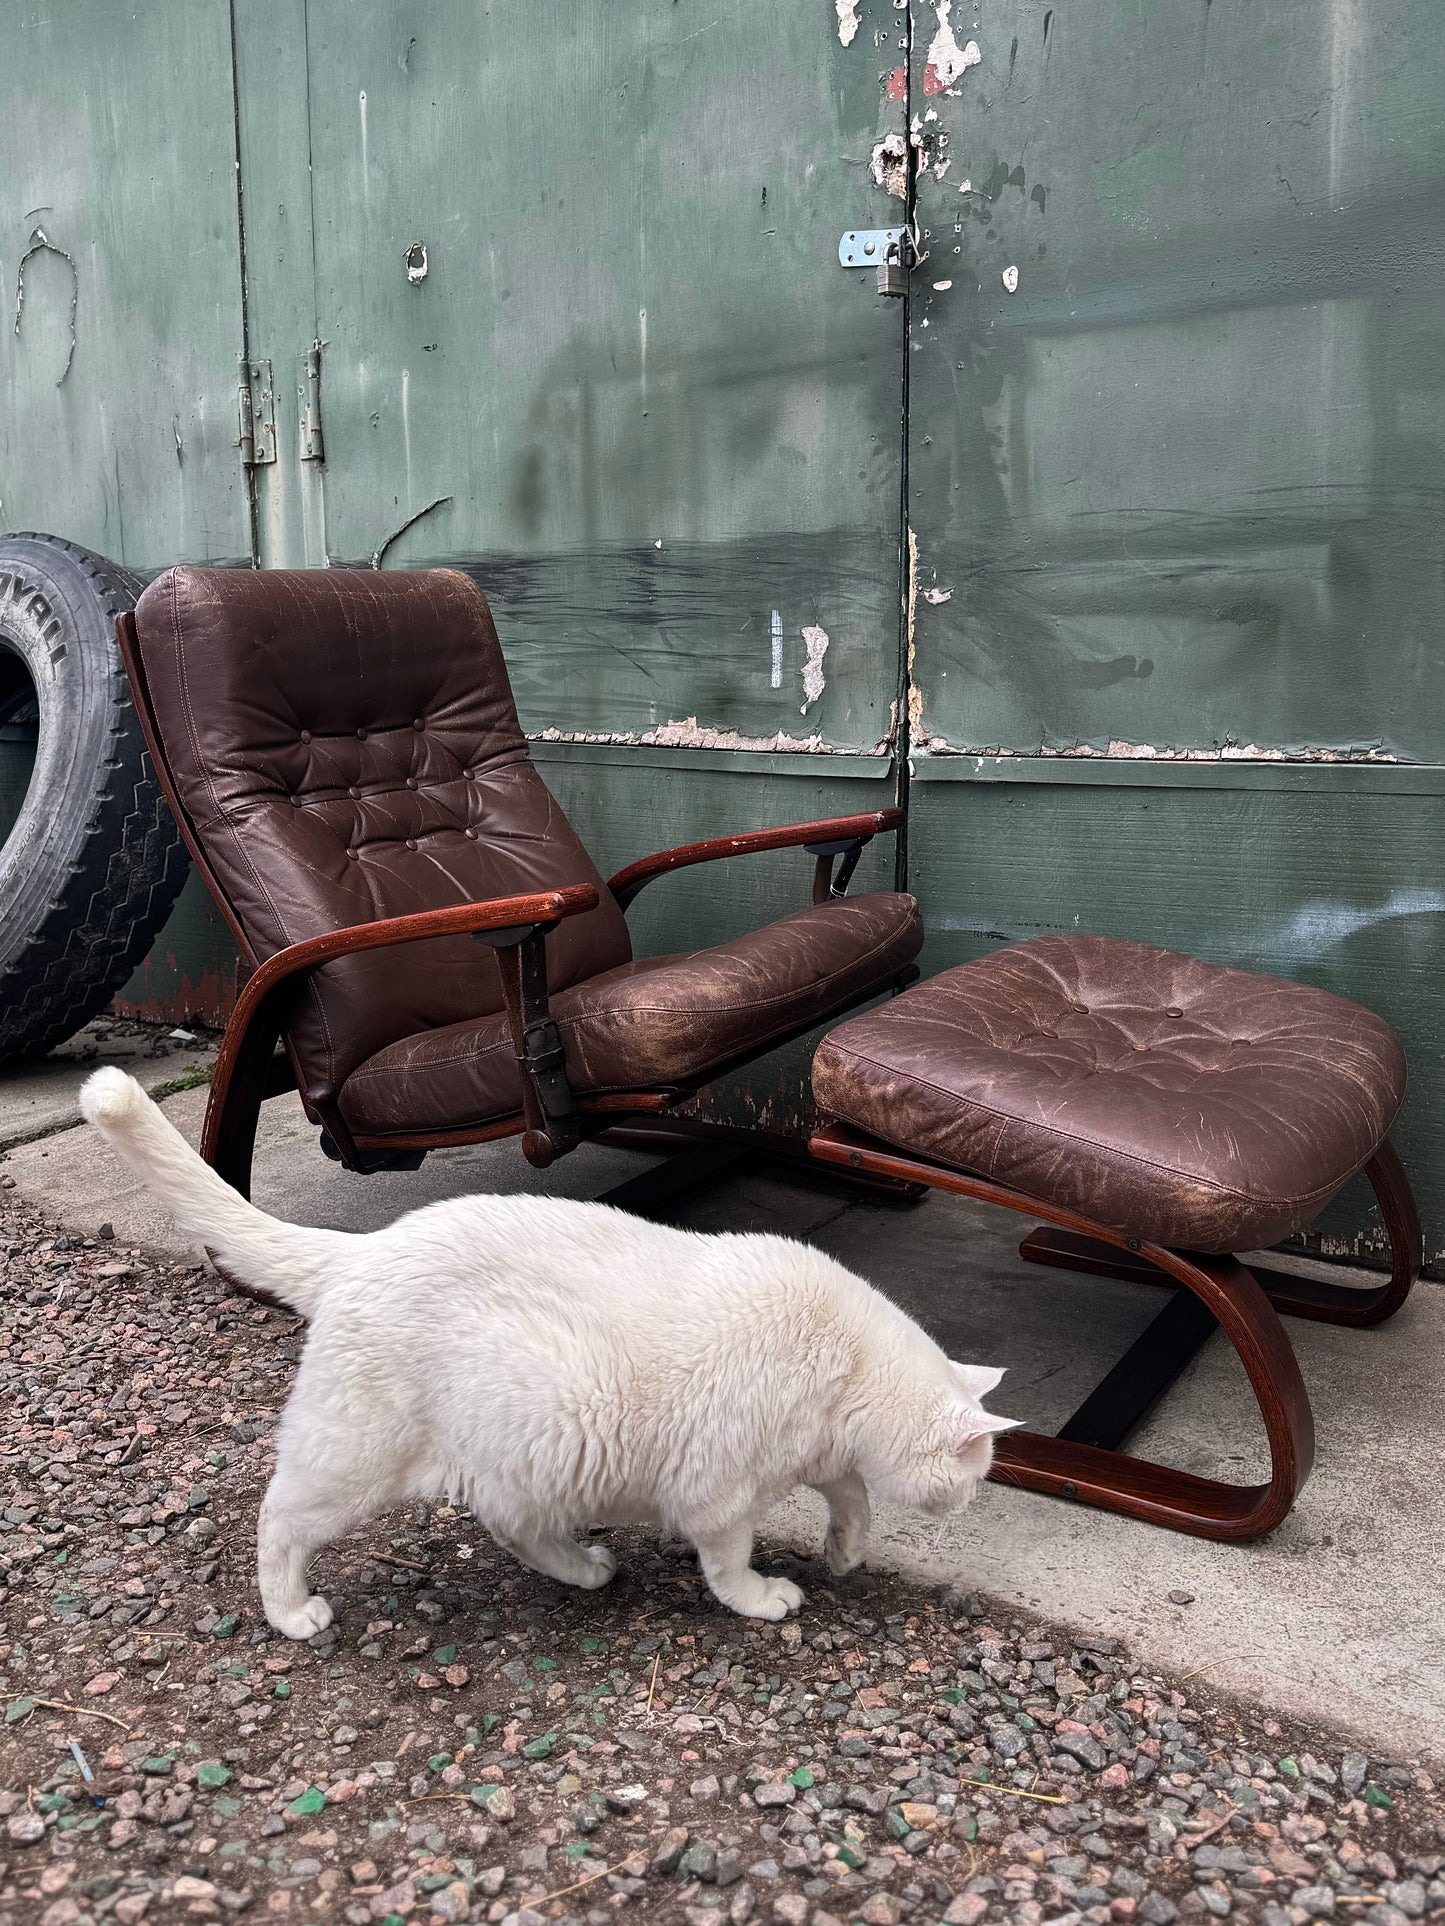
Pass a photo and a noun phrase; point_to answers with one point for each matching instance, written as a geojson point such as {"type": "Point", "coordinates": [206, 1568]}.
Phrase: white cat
{"type": "Point", "coordinates": [553, 1364]}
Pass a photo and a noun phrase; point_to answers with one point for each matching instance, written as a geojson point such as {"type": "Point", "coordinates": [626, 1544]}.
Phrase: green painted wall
{"type": "Point", "coordinates": [118, 225]}
{"type": "Point", "coordinates": [1178, 490]}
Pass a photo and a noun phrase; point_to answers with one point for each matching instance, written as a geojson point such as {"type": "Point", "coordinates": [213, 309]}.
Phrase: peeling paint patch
{"type": "Point", "coordinates": [889, 165]}
{"type": "Point", "coordinates": [815, 640]}
{"type": "Point", "coordinates": [41, 244]}
{"type": "Point", "coordinates": [775, 680]}
{"type": "Point", "coordinates": [847, 12]}
{"type": "Point", "coordinates": [937, 595]}
{"type": "Point", "coordinates": [947, 61]}
{"type": "Point", "coordinates": [1010, 279]}
{"type": "Point", "coordinates": [691, 734]}
{"type": "Point", "coordinates": [416, 262]}
{"type": "Point", "coordinates": [942, 287]}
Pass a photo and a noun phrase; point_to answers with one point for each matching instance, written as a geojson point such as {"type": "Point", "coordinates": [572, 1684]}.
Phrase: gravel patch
{"type": "Point", "coordinates": [473, 1742]}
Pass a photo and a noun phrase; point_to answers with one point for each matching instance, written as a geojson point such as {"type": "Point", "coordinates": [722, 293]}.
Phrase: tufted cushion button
{"type": "Point", "coordinates": [306, 735]}
{"type": "Point", "coordinates": [411, 782]}
{"type": "Point", "coordinates": [411, 842]}
{"type": "Point", "coordinates": [351, 855]}
{"type": "Point", "coordinates": [353, 791]}
{"type": "Point", "coordinates": [361, 735]}
{"type": "Point", "coordinates": [470, 833]}
{"type": "Point", "coordinates": [1171, 1011]}
{"type": "Point", "coordinates": [420, 723]}
{"type": "Point", "coordinates": [295, 802]}
{"type": "Point", "coordinates": [1079, 1009]}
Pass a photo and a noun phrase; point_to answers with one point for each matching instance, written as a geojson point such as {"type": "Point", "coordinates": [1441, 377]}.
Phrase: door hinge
{"type": "Point", "coordinates": [256, 408]}
{"type": "Point", "coordinates": [308, 397]}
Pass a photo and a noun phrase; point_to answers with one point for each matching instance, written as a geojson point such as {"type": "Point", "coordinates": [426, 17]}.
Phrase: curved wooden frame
{"type": "Point", "coordinates": [1296, 1296]}
{"type": "Point", "coordinates": [841, 832]}
{"type": "Point", "coordinates": [1245, 1306]}
{"type": "Point", "coordinates": [245, 1067]}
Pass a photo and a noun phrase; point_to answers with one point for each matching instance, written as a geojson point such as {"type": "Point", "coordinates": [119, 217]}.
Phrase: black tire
{"type": "Point", "coordinates": [93, 863]}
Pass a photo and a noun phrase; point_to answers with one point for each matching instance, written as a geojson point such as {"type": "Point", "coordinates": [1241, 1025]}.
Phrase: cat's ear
{"type": "Point", "coordinates": [969, 1425]}
{"type": "Point", "coordinates": [978, 1379]}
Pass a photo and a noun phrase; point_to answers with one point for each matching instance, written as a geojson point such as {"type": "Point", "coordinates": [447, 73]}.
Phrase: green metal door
{"type": "Point", "coordinates": [1176, 459]}
{"type": "Point", "coordinates": [585, 333]}
{"type": "Point", "coordinates": [121, 271]}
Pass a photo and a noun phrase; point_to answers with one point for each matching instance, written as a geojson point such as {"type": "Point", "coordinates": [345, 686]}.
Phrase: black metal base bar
{"type": "Point", "coordinates": [654, 1193]}
{"type": "Point", "coordinates": [1122, 1400]}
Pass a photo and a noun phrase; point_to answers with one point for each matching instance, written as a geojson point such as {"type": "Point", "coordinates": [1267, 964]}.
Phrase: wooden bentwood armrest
{"type": "Point", "coordinates": [835, 829]}
{"type": "Point", "coordinates": [265, 1003]}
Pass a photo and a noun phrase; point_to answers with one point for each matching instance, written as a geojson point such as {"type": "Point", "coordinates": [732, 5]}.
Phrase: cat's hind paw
{"type": "Point", "coordinates": [306, 1621]}
{"type": "Point", "coordinates": [776, 1597]}
{"type": "Point", "coordinates": [601, 1567]}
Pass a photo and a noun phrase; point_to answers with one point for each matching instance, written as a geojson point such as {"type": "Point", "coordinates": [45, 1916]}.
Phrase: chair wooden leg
{"type": "Point", "coordinates": [1067, 1466]}
{"type": "Point", "coordinates": [1202, 1507]}
{"type": "Point", "coordinates": [1295, 1296]}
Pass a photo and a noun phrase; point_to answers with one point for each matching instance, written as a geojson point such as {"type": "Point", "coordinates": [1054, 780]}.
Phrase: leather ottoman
{"type": "Point", "coordinates": [1159, 1114]}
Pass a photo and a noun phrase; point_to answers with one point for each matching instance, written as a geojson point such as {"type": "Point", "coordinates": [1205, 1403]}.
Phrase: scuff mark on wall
{"type": "Point", "coordinates": [40, 243]}
{"type": "Point", "coordinates": [815, 640]}
{"type": "Point", "coordinates": [691, 734]}
{"type": "Point", "coordinates": [889, 165]}
{"type": "Point", "coordinates": [847, 12]}
{"type": "Point", "coordinates": [947, 61]}
{"type": "Point", "coordinates": [1320, 925]}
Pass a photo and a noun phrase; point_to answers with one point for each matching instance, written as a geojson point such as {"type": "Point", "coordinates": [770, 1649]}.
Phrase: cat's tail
{"type": "Point", "coordinates": [282, 1261]}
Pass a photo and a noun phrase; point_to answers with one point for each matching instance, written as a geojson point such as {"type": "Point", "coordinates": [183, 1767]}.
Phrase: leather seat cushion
{"type": "Point", "coordinates": [1193, 1106]}
{"type": "Point", "coordinates": [648, 1023]}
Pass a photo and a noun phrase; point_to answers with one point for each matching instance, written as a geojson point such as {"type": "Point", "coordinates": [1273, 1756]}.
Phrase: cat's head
{"type": "Point", "coordinates": [942, 1456]}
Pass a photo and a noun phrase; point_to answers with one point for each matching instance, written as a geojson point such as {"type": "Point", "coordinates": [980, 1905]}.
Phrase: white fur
{"type": "Point", "coordinates": [554, 1364]}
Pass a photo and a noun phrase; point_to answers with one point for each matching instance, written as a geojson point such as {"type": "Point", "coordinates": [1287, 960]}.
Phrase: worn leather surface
{"type": "Point", "coordinates": [648, 1023]}
{"type": "Point", "coordinates": [1204, 1108]}
{"type": "Point", "coordinates": [346, 747]}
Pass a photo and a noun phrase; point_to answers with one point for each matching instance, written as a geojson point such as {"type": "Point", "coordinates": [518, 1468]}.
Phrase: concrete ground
{"type": "Point", "coordinates": [1335, 1617]}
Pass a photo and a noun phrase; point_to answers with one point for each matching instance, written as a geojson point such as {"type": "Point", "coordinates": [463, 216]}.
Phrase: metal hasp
{"type": "Point", "coordinates": [866, 246]}
{"type": "Point", "coordinates": [308, 395]}
{"type": "Point", "coordinates": [256, 407]}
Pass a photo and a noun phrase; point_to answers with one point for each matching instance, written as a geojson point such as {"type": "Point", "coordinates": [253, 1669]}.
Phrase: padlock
{"type": "Point", "coordinates": [893, 271]}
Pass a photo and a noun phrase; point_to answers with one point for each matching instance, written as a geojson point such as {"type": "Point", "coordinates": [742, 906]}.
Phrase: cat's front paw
{"type": "Point", "coordinates": [775, 1598]}
{"type": "Point", "coordinates": [306, 1621]}
{"type": "Point", "coordinates": [602, 1563]}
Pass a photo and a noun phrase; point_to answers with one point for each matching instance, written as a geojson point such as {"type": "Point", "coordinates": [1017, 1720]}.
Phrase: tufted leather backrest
{"type": "Point", "coordinates": [345, 747]}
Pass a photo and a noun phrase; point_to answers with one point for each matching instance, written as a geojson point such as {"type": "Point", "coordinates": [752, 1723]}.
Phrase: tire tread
{"type": "Point", "coordinates": [114, 901]}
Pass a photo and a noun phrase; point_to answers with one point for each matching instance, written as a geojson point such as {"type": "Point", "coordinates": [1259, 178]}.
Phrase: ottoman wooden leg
{"type": "Point", "coordinates": [1295, 1296]}
{"type": "Point", "coordinates": [1069, 1466]}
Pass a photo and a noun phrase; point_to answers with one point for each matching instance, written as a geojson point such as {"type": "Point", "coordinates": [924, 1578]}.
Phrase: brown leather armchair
{"type": "Point", "coordinates": [426, 932]}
